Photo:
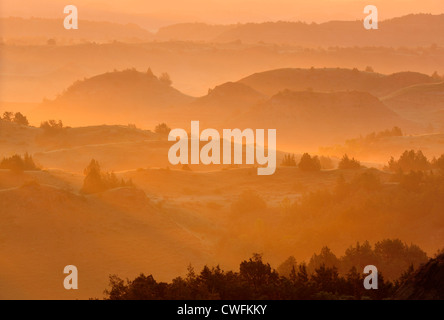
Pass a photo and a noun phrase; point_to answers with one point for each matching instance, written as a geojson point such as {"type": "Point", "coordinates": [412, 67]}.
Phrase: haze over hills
{"type": "Point", "coordinates": [421, 102]}
{"type": "Point", "coordinates": [340, 100]}
{"type": "Point", "coordinates": [422, 30]}
{"type": "Point", "coordinates": [99, 191]}
{"type": "Point", "coordinates": [46, 70]}
{"type": "Point", "coordinates": [306, 118]}
{"type": "Point", "coordinates": [225, 101]}
{"type": "Point", "coordinates": [332, 79]}
{"type": "Point", "coordinates": [39, 30]}
{"type": "Point", "coordinates": [191, 32]}
{"type": "Point", "coordinates": [129, 96]}
{"type": "Point", "coordinates": [97, 232]}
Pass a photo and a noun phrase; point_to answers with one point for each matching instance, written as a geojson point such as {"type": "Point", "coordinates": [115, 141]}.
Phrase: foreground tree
{"type": "Point", "coordinates": [309, 163]}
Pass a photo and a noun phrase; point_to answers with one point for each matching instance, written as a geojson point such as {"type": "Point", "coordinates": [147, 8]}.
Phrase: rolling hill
{"type": "Point", "coordinates": [224, 102]}
{"type": "Point", "coordinates": [422, 30]}
{"type": "Point", "coordinates": [117, 231]}
{"type": "Point", "coordinates": [120, 97]}
{"type": "Point", "coordinates": [419, 102]}
{"type": "Point", "coordinates": [332, 79]}
{"type": "Point", "coordinates": [306, 105]}
{"type": "Point", "coordinates": [306, 119]}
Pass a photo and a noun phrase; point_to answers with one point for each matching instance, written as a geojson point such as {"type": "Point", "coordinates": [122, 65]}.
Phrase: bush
{"type": "Point", "coordinates": [162, 129]}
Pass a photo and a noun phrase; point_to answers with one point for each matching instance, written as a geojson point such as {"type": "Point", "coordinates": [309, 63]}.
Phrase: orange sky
{"type": "Point", "coordinates": [153, 14]}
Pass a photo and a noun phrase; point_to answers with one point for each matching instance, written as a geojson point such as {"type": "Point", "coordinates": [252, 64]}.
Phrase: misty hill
{"type": "Point", "coordinates": [115, 97]}
{"type": "Point", "coordinates": [332, 79]}
{"type": "Point", "coordinates": [191, 32]}
{"type": "Point", "coordinates": [422, 101]}
{"type": "Point", "coordinates": [427, 283]}
{"type": "Point", "coordinates": [306, 118]}
{"type": "Point", "coordinates": [225, 101]}
{"type": "Point", "coordinates": [382, 148]}
{"type": "Point", "coordinates": [16, 139]}
{"type": "Point", "coordinates": [410, 30]}
{"type": "Point", "coordinates": [39, 30]}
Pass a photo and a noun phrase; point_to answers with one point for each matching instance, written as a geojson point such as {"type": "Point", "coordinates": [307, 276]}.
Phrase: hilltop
{"type": "Point", "coordinates": [129, 95]}
{"type": "Point", "coordinates": [225, 101]}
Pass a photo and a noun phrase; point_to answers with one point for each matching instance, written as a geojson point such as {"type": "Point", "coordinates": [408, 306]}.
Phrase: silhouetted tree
{"type": "Point", "coordinates": [97, 181]}
{"type": "Point", "coordinates": [162, 128]}
{"type": "Point", "coordinates": [289, 161]}
{"type": "Point", "coordinates": [348, 164]}
{"type": "Point", "coordinates": [166, 79]}
{"type": "Point", "coordinates": [309, 163]}
{"type": "Point", "coordinates": [17, 163]}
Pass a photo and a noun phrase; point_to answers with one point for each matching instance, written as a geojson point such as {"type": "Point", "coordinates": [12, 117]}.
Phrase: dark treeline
{"type": "Point", "coordinates": [17, 118]}
{"type": "Point", "coordinates": [257, 280]}
{"type": "Point", "coordinates": [18, 163]}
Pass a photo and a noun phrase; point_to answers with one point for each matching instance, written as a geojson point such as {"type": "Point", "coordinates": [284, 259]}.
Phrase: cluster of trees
{"type": "Point", "coordinates": [164, 77]}
{"type": "Point", "coordinates": [162, 129]}
{"type": "Point", "coordinates": [349, 164]}
{"type": "Point", "coordinates": [18, 163]}
{"type": "Point", "coordinates": [257, 280]}
{"type": "Point", "coordinates": [307, 162]}
{"type": "Point", "coordinates": [310, 163]}
{"type": "Point", "coordinates": [412, 160]}
{"type": "Point", "coordinates": [314, 163]}
{"type": "Point", "coordinates": [97, 181]}
{"type": "Point", "coordinates": [17, 118]}
{"type": "Point", "coordinates": [392, 257]}
{"type": "Point", "coordinates": [52, 126]}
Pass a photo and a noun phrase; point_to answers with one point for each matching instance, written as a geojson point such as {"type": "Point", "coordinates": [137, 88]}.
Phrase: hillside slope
{"type": "Point", "coordinates": [117, 231]}
{"type": "Point", "coordinates": [422, 101]}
